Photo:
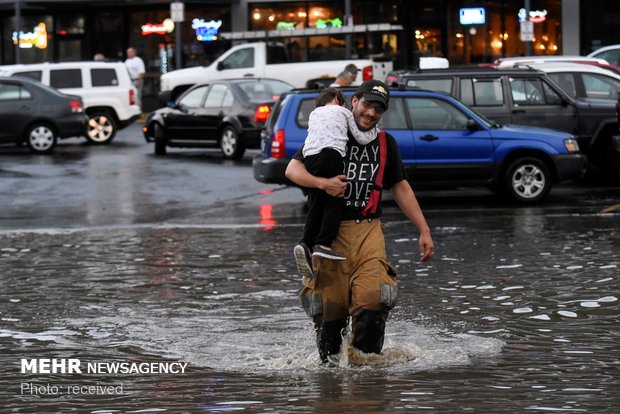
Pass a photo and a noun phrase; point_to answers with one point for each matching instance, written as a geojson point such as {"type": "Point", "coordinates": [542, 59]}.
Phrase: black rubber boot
{"type": "Point", "coordinates": [369, 331]}
{"type": "Point", "coordinates": [328, 336]}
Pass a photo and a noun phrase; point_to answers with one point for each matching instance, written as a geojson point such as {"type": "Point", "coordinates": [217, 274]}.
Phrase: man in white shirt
{"type": "Point", "coordinates": [135, 66]}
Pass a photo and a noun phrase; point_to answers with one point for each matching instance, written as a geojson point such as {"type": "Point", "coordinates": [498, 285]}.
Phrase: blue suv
{"type": "Point", "coordinates": [442, 143]}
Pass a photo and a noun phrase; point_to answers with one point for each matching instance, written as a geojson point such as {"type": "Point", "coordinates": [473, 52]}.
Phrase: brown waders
{"type": "Point", "coordinates": [363, 287]}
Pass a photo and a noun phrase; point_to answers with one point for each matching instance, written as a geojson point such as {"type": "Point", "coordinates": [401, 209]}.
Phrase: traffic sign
{"type": "Point", "coordinates": [527, 31]}
{"type": "Point", "coordinates": [177, 11]}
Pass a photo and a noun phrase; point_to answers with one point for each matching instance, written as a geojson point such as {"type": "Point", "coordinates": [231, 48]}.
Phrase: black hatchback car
{"type": "Point", "coordinates": [228, 114]}
{"type": "Point", "coordinates": [37, 115]}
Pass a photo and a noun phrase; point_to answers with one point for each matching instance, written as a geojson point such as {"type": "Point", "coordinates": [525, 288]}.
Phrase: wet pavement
{"type": "Point", "coordinates": [111, 255]}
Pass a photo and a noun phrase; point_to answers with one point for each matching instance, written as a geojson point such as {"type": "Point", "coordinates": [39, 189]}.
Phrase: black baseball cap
{"type": "Point", "coordinates": [374, 90]}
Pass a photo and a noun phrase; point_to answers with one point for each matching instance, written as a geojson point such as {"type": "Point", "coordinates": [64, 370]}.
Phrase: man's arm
{"type": "Point", "coordinates": [408, 203]}
{"type": "Point", "coordinates": [296, 172]}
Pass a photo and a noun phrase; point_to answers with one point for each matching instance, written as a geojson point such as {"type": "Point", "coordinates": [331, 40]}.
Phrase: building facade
{"type": "Point", "coordinates": [464, 31]}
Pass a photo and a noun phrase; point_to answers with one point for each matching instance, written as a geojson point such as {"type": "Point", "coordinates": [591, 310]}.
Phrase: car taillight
{"type": "Point", "coordinates": [132, 97]}
{"type": "Point", "coordinates": [391, 80]}
{"type": "Point", "coordinates": [367, 73]}
{"type": "Point", "coordinates": [261, 114]}
{"type": "Point", "coordinates": [278, 145]}
{"type": "Point", "coordinates": [76, 107]}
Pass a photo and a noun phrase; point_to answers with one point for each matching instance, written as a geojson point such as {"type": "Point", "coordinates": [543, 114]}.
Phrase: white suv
{"type": "Point", "coordinates": [105, 88]}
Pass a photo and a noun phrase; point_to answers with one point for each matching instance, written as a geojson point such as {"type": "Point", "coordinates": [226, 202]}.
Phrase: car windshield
{"type": "Point", "coordinates": [264, 90]}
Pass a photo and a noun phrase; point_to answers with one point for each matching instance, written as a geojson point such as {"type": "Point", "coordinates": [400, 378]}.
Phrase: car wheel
{"type": "Point", "coordinates": [101, 127]}
{"type": "Point", "coordinates": [160, 139]}
{"type": "Point", "coordinates": [41, 138]}
{"type": "Point", "coordinates": [527, 180]}
{"type": "Point", "coordinates": [230, 144]}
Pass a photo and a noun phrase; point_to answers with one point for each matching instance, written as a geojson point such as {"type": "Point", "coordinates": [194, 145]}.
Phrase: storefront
{"type": "Point", "coordinates": [464, 31]}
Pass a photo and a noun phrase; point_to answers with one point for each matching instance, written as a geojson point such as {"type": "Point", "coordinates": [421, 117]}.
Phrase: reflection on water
{"type": "Point", "coordinates": [512, 315]}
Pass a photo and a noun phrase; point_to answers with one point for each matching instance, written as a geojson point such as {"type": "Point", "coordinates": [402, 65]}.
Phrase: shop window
{"type": "Point", "coordinates": [69, 24]}
{"type": "Point", "coordinates": [66, 78]}
{"type": "Point", "coordinates": [103, 77]}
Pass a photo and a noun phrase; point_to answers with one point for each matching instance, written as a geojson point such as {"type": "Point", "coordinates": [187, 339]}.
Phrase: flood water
{"type": "Point", "coordinates": [514, 314]}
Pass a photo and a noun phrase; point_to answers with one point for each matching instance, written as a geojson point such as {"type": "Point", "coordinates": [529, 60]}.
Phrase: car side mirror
{"type": "Point", "coordinates": [472, 125]}
{"type": "Point", "coordinates": [220, 66]}
{"type": "Point", "coordinates": [182, 108]}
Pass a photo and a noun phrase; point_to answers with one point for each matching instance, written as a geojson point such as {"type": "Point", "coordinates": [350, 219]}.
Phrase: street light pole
{"type": "Point", "coordinates": [18, 21]}
{"type": "Point", "coordinates": [528, 44]}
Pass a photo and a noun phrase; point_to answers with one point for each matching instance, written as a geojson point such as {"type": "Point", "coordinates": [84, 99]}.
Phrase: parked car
{"type": "Point", "coordinates": [442, 143]}
{"type": "Point", "coordinates": [511, 62]}
{"type": "Point", "coordinates": [529, 96]}
{"type": "Point", "coordinates": [225, 113]}
{"type": "Point", "coordinates": [105, 87]}
{"type": "Point", "coordinates": [583, 81]}
{"type": "Point", "coordinates": [37, 115]}
{"type": "Point", "coordinates": [610, 53]}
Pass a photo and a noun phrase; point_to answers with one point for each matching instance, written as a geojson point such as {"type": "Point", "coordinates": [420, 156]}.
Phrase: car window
{"type": "Point", "coordinates": [530, 91]}
{"type": "Point", "coordinates": [193, 98]}
{"type": "Point", "coordinates": [103, 77]}
{"type": "Point", "coordinates": [303, 113]}
{"type": "Point", "coordinates": [599, 86]}
{"type": "Point", "coordinates": [264, 90]}
{"type": "Point", "coordinates": [12, 92]}
{"type": "Point", "coordinates": [242, 58]}
{"type": "Point", "coordinates": [435, 114]}
{"type": "Point", "coordinates": [66, 78]}
{"type": "Point", "coordinates": [482, 92]}
{"type": "Point", "coordinates": [394, 117]}
{"type": "Point", "coordinates": [612, 56]}
{"type": "Point", "coordinates": [444, 85]}
{"type": "Point", "coordinates": [566, 82]}
{"type": "Point", "coordinates": [216, 96]}
{"type": "Point", "coordinates": [33, 74]}
{"type": "Point", "coordinates": [229, 99]}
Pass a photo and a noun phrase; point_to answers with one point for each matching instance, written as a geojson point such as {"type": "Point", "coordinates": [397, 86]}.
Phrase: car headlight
{"type": "Point", "coordinates": [571, 145]}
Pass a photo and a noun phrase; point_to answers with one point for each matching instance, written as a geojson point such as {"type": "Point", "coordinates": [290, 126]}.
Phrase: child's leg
{"type": "Point", "coordinates": [328, 163]}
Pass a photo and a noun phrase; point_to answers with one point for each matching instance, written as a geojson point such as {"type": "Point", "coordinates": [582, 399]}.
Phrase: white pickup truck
{"type": "Point", "coordinates": [266, 60]}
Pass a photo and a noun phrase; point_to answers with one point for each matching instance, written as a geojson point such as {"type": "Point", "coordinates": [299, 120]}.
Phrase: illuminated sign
{"type": "Point", "coordinates": [206, 31]}
{"type": "Point", "coordinates": [472, 15]}
{"type": "Point", "coordinates": [285, 26]}
{"type": "Point", "coordinates": [536, 16]}
{"type": "Point", "coordinates": [37, 38]}
{"type": "Point", "coordinates": [167, 26]}
{"type": "Point", "coordinates": [324, 24]}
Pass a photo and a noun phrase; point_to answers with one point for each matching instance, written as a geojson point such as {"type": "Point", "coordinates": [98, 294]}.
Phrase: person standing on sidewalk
{"type": "Point", "coordinates": [135, 66]}
{"type": "Point", "coordinates": [363, 287]}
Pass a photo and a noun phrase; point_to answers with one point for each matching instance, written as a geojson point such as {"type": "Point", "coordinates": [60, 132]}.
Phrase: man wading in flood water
{"type": "Point", "coordinates": [363, 286]}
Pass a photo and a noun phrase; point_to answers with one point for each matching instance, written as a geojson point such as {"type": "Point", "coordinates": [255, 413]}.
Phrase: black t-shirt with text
{"type": "Point", "coordinates": [361, 167]}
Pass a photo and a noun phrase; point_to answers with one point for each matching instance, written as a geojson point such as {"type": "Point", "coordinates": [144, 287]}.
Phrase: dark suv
{"type": "Point", "coordinates": [442, 143]}
{"type": "Point", "coordinates": [529, 97]}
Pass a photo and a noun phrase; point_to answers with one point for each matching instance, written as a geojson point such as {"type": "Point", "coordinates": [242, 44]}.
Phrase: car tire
{"type": "Point", "coordinates": [102, 127]}
{"type": "Point", "coordinates": [527, 180]}
{"type": "Point", "coordinates": [160, 139]}
{"type": "Point", "coordinates": [41, 138]}
{"type": "Point", "coordinates": [230, 143]}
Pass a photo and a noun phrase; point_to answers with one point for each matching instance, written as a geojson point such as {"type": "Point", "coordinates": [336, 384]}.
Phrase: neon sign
{"type": "Point", "coordinates": [37, 38]}
{"type": "Point", "coordinates": [536, 16]}
{"type": "Point", "coordinates": [167, 26]}
{"type": "Point", "coordinates": [206, 31]}
{"type": "Point", "coordinates": [324, 24]}
{"type": "Point", "coordinates": [285, 25]}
